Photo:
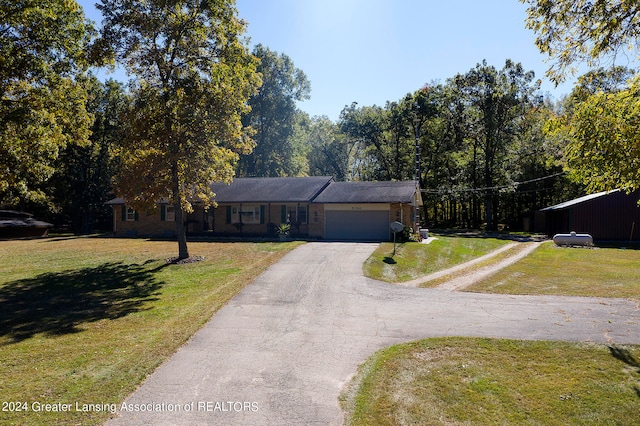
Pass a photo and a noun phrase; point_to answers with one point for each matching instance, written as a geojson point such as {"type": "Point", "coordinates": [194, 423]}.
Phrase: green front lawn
{"type": "Point", "coordinates": [415, 260]}
{"type": "Point", "coordinates": [469, 381]}
{"type": "Point", "coordinates": [553, 270]}
{"type": "Point", "coordinates": [85, 320]}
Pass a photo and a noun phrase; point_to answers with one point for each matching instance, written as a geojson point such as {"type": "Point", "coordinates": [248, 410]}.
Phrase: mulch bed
{"type": "Point", "coordinates": [178, 261]}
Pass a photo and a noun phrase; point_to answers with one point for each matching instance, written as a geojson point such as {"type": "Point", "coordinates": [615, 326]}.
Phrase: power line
{"type": "Point", "coordinates": [489, 188]}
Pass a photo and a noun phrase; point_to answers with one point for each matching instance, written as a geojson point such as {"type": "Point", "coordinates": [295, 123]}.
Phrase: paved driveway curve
{"type": "Point", "coordinates": [280, 352]}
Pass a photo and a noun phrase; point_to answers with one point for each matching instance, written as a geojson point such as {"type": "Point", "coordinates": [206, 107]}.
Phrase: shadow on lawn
{"type": "Point", "coordinates": [627, 357]}
{"type": "Point", "coordinates": [59, 303]}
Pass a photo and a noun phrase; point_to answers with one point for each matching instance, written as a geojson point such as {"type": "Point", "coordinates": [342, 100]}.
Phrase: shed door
{"type": "Point", "coordinates": [357, 225]}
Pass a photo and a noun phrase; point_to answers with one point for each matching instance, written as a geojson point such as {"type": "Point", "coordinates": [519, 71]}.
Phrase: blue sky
{"type": "Point", "coordinates": [373, 51]}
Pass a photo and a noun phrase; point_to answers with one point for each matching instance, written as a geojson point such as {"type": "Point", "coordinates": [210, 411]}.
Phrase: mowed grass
{"type": "Point", "coordinates": [415, 260]}
{"type": "Point", "coordinates": [470, 381]}
{"type": "Point", "coordinates": [553, 270]}
{"type": "Point", "coordinates": [85, 320]}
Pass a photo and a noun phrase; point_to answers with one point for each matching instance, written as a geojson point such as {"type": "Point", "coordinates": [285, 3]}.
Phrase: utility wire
{"type": "Point", "coordinates": [488, 188]}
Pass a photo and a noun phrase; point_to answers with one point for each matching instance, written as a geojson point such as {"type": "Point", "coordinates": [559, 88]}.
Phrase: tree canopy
{"type": "Point", "coordinates": [194, 78]}
{"type": "Point", "coordinates": [195, 109]}
{"type": "Point", "coordinates": [600, 133]}
{"type": "Point", "coordinates": [82, 181]}
{"type": "Point", "coordinates": [496, 100]}
{"type": "Point", "coordinates": [601, 123]}
{"type": "Point", "coordinates": [43, 49]}
{"type": "Point", "coordinates": [273, 116]}
{"type": "Point", "coordinates": [583, 31]}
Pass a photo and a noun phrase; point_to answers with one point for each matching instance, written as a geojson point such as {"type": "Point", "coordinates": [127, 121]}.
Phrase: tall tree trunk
{"type": "Point", "coordinates": [181, 230]}
{"type": "Point", "coordinates": [488, 207]}
{"type": "Point", "coordinates": [475, 209]}
{"type": "Point", "coordinates": [488, 197]}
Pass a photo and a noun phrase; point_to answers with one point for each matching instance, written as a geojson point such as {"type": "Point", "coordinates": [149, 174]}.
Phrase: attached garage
{"type": "Point", "coordinates": [364, 210]}
{"type": "Point", "coordinates": [357, 222]}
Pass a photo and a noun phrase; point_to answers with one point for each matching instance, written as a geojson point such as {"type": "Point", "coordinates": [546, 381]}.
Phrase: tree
{"type": "Point", "coordinates": [599, 80]}
{"type": "Point", "coordinates": [496, 101]}
{"type": "Point", "coordinates": [583, 31]}
{"type": "Point", "coordinates": [273, 115]}
{"type": "Point", "coordinates": [43, 49]}
{"type": "Point", "coordinates": [384, 140]}
{"type": "Point", "coordinates": [536, 167]}
{"type": "Point", "coordinates": [602, 129]}
{"type": "Point", "coordinates": [440, 126]}
{"type": "Point", "coordinates": [82, 180]}
{"type": "Point", "coordinates": [194, 78]}
{"type": "Point", "coordinates": [387, 136]}
{"type": "Point", "coordinates": [331, 153]}
{"type": "Point", "coordinates": [604, 139]}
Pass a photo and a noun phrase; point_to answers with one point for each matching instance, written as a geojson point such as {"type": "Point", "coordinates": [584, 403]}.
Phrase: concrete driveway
{"type": "Point", "coordinates": [280, 352]}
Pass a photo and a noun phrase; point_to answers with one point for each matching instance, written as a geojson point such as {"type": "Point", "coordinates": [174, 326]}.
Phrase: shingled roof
{"type": "Point", "coordinates": [317, 189]}
{"type": "Point", "coordinates": [368, 192]}
{"type": "Point", "coordinates": [271, 190]}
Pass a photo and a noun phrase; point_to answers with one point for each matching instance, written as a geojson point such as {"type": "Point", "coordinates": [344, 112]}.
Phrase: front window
{"type": "Point", "coordinates": [245, 214]}
{"type": "Point", "coordinates": [170, 213]}
{"type": "Point", "coordinates": [297, 214]}
{"type": "Point", "coordinates": [131, 214]}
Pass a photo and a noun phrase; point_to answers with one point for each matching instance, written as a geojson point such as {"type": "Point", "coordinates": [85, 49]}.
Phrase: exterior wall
{"type": "Point", "coordinates": [316, 221]}
{"type": "Point", "coordinates": [272, 216]}
{"type": "Point", "coordinates": [215, 221]}
{"type": "Point", "coordinates": [403, 213]}
{"type": "Point", "coordinates": [199, 221]}
{"type": "Point", "coordinates": [147, 224]}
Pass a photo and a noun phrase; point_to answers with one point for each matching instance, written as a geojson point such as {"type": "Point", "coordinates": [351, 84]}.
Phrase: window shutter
{"type": "Point", "coordinates": [261, 215]}
{"type": "Point", "coordinates": [135, 215]}
{"type": "Point", "coordinates": [163, 213]}
{"type": "Point", "coordinates": [123, 215]}
{"type": "Point", "coordinates": [228, 214]}
{"type": "Point", "coordinates": [283, 214]}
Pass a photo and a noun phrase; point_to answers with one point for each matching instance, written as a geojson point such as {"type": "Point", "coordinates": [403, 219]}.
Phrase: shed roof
{"type": "Point", "coordinates": [576, 201]}
{"type": "Point", "coordinates": [270, 190]}
{"type": "Point", "coordinates": [368, 192]}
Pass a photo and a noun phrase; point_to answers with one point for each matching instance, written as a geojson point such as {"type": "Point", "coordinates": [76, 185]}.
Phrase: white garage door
{"type": "Point", "coordinates": [357, 225]}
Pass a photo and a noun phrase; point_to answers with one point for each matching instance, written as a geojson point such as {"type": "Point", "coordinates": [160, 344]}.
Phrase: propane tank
{"type": "Point", "coordinates": [573, 239]}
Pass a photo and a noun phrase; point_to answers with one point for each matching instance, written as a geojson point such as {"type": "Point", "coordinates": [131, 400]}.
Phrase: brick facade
{"type": "Point", "coordinates": [316, 221]}
{"type": "Point", "coordinates": [403, 213]}
{"type": "Point", "coordinates": [266, 217]}
{"type": "Point", "coordinates": [143, 223]}
{"type": "Point", "coordinates": [217, 221]}
{"type": "Point", "coordinates": [306, 206]}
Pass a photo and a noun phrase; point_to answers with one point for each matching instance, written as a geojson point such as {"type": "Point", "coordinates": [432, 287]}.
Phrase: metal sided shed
{"type": "Point", "coordinates": [606, 216]}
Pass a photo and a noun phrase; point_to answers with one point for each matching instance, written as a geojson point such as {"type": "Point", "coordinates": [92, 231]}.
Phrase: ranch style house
{"type": "Point", "coordinates": [315, 207]}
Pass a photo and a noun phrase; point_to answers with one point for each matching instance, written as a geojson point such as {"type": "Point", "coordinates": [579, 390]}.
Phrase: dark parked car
{"type": "Point", "coordinates": [15, 224]}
